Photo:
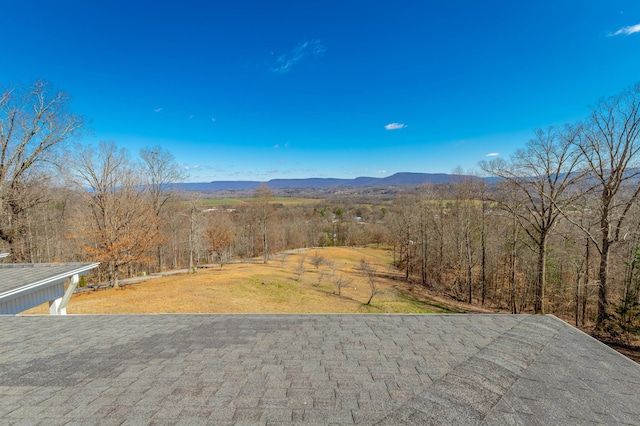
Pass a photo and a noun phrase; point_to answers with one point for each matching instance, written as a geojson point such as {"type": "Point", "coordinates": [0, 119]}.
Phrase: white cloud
{"type": "Point", "coordinates": [157, 110]}
{"type": "Point", "coordinates": [627, 30]}
{"type": "Point", "coordinates": [395, 126]}
{"type": "Point", "coordinates": [381, 171]}
{"type": "Point", "coordinates": [493, 154]}
{"type": "Point", "coordinates": [285, 62]}
{"type": "Point", "coordinates": [213, 119]}
{"type": "Point", "coordinates": [276, 146]}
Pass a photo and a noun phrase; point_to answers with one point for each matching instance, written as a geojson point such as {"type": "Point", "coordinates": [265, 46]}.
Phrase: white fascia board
{"type": "Point", "coordinates": [49, 281]}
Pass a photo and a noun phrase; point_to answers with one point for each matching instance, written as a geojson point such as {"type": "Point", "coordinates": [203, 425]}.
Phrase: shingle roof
{"type": "Point", "coordinates": [322, 369]}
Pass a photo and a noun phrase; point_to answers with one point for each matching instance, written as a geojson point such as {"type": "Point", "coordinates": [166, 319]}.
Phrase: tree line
{"type": "Point", "coordinates": [554, 228]}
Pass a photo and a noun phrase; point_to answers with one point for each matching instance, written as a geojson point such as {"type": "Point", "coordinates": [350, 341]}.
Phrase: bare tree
{"type": "Point", "coordinates": [463, 210]}
{"type": "Point", "coordinates": [341, 282]}
{"type": "Point", "coordinates": [193, 228]}
{"type": "Point", "coordinates": [161, 172]}
{"type": "Point", "coordinates": [544, 172]}
{"type": "Point", "coordinates": [300, 269]}
{"type": "Point", "coordinates": [34, 122]}
{"type": "Point", "coordinates": [121, 227]}
{"type": "Point", "coordinates": [513, 261]}
{"type": "Point", "coordinates": [220, 235]}
{"type": "Point", "coordinates": [483, 242]}
{"type": "Point", "coordinates": [404, 231]}
{"type": "Point", "coordinates": [320, 275]}
{"type": "Point", "coordinates": [317, 260]}
{"type": "Point", "coordinates": [283, 259]}
{"type": "Point", "coordinates": [370, 273]}
{"type": "Point", "coordinates": [610, 144]}
{"type": "Point", "coordinates": [263, 195]}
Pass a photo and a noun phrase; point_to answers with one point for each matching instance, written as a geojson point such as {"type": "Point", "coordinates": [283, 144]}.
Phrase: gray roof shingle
{"type": "Point", "coordinates": [312, 369]}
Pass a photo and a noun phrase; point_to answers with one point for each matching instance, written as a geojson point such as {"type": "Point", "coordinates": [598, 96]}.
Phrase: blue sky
{"type": "Point", "coordinates": [268, 89]}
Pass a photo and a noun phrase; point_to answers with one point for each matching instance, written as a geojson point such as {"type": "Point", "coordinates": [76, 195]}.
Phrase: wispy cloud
{"type": "Point", "coordinates": [276, 146]}
{"type": "Point", "coordinates": [395, 126]}
{"type": "Point", "coordinates": [381, 171]}
{"type": "Point", "coordinates": [627, 30]}
{"type": "Point", "coordinates": [493, 154]}
{"type": "Point", "coordinates": [213, 119]}
{"type": "Point", "coordinates": [157, 110]}
{"type": "Point", "coordinates": [216, 169]}
{"type": "Point", "coordinates": [285, 62]}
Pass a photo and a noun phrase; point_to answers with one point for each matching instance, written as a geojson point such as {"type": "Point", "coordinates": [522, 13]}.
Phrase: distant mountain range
{"type": "Point", "coordinates": [397, 179]}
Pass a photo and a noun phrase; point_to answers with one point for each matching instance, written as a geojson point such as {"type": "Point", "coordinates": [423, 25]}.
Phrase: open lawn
{"type": "Point", "coordinates": [275, 287]}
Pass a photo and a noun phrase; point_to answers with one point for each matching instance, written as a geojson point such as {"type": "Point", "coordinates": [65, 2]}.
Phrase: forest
{"type": "Point", "coordinates": [554, 229]}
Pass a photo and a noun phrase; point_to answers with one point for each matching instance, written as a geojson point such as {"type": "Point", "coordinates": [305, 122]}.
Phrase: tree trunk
{"type": "Point", "coordinates": [423, 237]}
{"type": "Point", "coordinates": [484, 254]}
{"type": "Point", "coordinates": [406, 274]}
{"type": "Point", "coordinates": [513, 283]}
{"type": "Point", "coordinates": [469, 266]}
{"type": "Point", "coordinates": [538, 304]}
{"type": "Point", "coordinates": [114, 270]}
{"type": "Point", "coordinates": [576, 310]}
{"type": "Point", "coordinates": [513, 265]}
{"type": "Point", "coordinates": [587, 280]}
{"type": "Point", "coordinates": [159, 249]}
{"type": "Point", "coordinates": [441, 248]}
{"type": "Point", "coordinates": [602, 284]}
{"type": "Point", "coordinates": [265, 247]}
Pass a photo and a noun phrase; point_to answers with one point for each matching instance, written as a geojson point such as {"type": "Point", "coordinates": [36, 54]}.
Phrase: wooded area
{"type": "Point", "coordinates": [553, 229]}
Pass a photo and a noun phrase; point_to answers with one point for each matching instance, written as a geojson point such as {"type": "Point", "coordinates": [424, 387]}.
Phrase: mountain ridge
{"type": "Point", "coordinates": [397, 179]}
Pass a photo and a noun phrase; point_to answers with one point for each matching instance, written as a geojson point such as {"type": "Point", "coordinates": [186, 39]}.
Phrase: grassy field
{"type": "Point", "coordinates": [255, 287]}
{"type": "Point", "coordinates": [286, 201]}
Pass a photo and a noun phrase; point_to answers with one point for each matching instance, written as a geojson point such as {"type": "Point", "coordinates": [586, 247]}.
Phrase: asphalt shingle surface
{"type": "Point", "coordinates": [311, 369]}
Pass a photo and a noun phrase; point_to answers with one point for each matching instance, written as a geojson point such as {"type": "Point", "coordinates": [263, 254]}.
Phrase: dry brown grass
{"type": "Point", "coordinates": [255, 287]}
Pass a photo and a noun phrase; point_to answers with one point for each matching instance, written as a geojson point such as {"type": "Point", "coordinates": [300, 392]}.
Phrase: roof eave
{"type": "Point", "coordinates": [50, 280]}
